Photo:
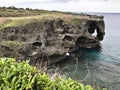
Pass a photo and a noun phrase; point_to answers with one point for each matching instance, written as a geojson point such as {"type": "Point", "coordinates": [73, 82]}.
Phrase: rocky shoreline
{"type": "Point", "coordinates": [51, 40]}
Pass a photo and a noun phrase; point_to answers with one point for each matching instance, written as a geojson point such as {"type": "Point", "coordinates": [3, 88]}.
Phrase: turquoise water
{"type": "Point", "coordinates": [100, 66]}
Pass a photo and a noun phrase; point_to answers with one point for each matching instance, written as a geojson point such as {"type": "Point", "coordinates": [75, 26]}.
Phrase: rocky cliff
{"type": "Point", "coordinates": [49, 40]}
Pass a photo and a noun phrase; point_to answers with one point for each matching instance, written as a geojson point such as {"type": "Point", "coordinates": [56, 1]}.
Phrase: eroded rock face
{"type": "Point", "coordinates": [86, 39]}
{"type": "Point", "coordinates": [50, 40]}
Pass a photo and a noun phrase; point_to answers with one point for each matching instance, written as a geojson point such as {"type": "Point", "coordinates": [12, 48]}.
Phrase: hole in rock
{"type": "Point", "coordinates": [36, 43]}
{"type": "Point", "coordinates": [69, 38]}
{"type": "Point", "coordinates": [93, 29]}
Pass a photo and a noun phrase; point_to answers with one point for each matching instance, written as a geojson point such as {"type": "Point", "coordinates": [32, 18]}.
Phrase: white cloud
{"type": "Point", "coordinates": [67, 5]}
{"type": "Point", "coordinates": [14, 2]}
{"type": "Point", "coordinates": [64, 0]}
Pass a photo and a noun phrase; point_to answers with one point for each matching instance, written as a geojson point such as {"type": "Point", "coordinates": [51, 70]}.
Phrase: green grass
{"type": "Point", "coordinates": [12, 43]}
{"type": "Point", "coordinates": [21, 12]}
{"type": "Point", "coordinates": [19, 17]}
{"type": "Point", "coordinates": [21, 21]}
{"type": "Point", "coordinates": [75, 21]}
{"type": "Point", "coordinates": [17, 22]}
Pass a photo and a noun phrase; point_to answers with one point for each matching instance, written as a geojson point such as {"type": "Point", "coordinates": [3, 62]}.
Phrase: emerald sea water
{"type": "Point", "coordinates": [98, 66]}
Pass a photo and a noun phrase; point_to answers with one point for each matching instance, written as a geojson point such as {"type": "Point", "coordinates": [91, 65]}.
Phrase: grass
{"type": "Point", "coordinates": [19, 17]}
{"type": "Point", "coordinates": [21, 12]}
{"type": "Point", "coordinates": [10, 43]}
{"type": "Point", "coordinates": [76, 21]}
{"type": "Point", "coordinates": [20, 21]}
{"type": "Point", "coordinates": [16, 22]}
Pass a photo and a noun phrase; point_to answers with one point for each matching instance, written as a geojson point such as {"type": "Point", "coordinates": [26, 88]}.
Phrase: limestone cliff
{"type": "Point", "coordinates": [50, 39]}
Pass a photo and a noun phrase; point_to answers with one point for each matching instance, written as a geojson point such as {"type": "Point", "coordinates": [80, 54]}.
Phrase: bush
{"type": "Point", "coordinates": [22, 76]}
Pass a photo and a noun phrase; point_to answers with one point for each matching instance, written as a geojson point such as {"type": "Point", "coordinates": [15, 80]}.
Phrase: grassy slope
{"type": "Point", "coordinates": [16, 17]}
{"type": "Point", "coordinates": [16, 21]}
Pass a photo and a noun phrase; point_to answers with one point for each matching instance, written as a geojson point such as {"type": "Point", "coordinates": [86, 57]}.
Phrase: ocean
{"type": "Point", "coordinates": [100, 66]}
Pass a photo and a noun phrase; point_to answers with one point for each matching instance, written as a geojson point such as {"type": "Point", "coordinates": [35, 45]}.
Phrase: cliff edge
{"type": "Point", "coordinates": [51, 38]}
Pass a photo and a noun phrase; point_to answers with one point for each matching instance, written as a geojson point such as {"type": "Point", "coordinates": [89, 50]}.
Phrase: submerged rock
{"type": "Point", "coordinates": [50, 39]}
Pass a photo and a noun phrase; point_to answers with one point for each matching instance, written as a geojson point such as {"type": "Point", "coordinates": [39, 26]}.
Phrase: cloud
{"type": "Point", "coordinates": [64, 0]}
{"type": "Point", "coordinates": [18, 2]}
{"type": "Point", "coordinates": [67, 5]}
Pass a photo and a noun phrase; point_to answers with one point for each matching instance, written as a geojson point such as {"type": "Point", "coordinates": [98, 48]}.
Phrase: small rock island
{"type": "Point", "coordinates": [47, 36]}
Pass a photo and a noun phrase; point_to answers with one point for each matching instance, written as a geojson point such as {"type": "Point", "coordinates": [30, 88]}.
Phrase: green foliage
{"type": "Point", "coordinates": [16, 77]}
{"type": "Point", "coordinates": [21, 76]}
{"type": "Point", "coordinates": [69, 84]}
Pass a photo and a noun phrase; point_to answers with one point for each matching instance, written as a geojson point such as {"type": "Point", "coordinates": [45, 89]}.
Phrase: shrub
{"type": "Point", "coordinates": [22, 76]}
{"type": "Point", "coordinates": [19, 76]}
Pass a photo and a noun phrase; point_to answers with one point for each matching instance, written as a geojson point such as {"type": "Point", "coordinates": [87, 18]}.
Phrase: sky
{"type": "Point", "coordinates": [105, 6]}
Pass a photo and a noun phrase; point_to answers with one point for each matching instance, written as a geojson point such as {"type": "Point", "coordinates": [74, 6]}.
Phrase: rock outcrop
{"type": "Point", "coordinates": [50, 39]}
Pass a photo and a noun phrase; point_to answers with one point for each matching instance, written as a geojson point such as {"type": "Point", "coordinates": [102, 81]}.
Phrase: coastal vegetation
{"type": "Point", "coordinates": [21, 76]}
{"type": "Point", "coordinates": [12, 16]}
{"type": "Point", "coordinates": [19, 12]}
{"type": "Point", "coordinates": [24, 34]}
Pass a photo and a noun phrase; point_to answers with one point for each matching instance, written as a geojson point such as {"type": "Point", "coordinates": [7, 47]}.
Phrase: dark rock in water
{"type": "Point", "coordinates": [49, 40]}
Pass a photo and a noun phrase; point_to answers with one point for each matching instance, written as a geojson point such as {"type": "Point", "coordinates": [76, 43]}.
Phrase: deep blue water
{"type": "Point", "coordinates": [98, 66]}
